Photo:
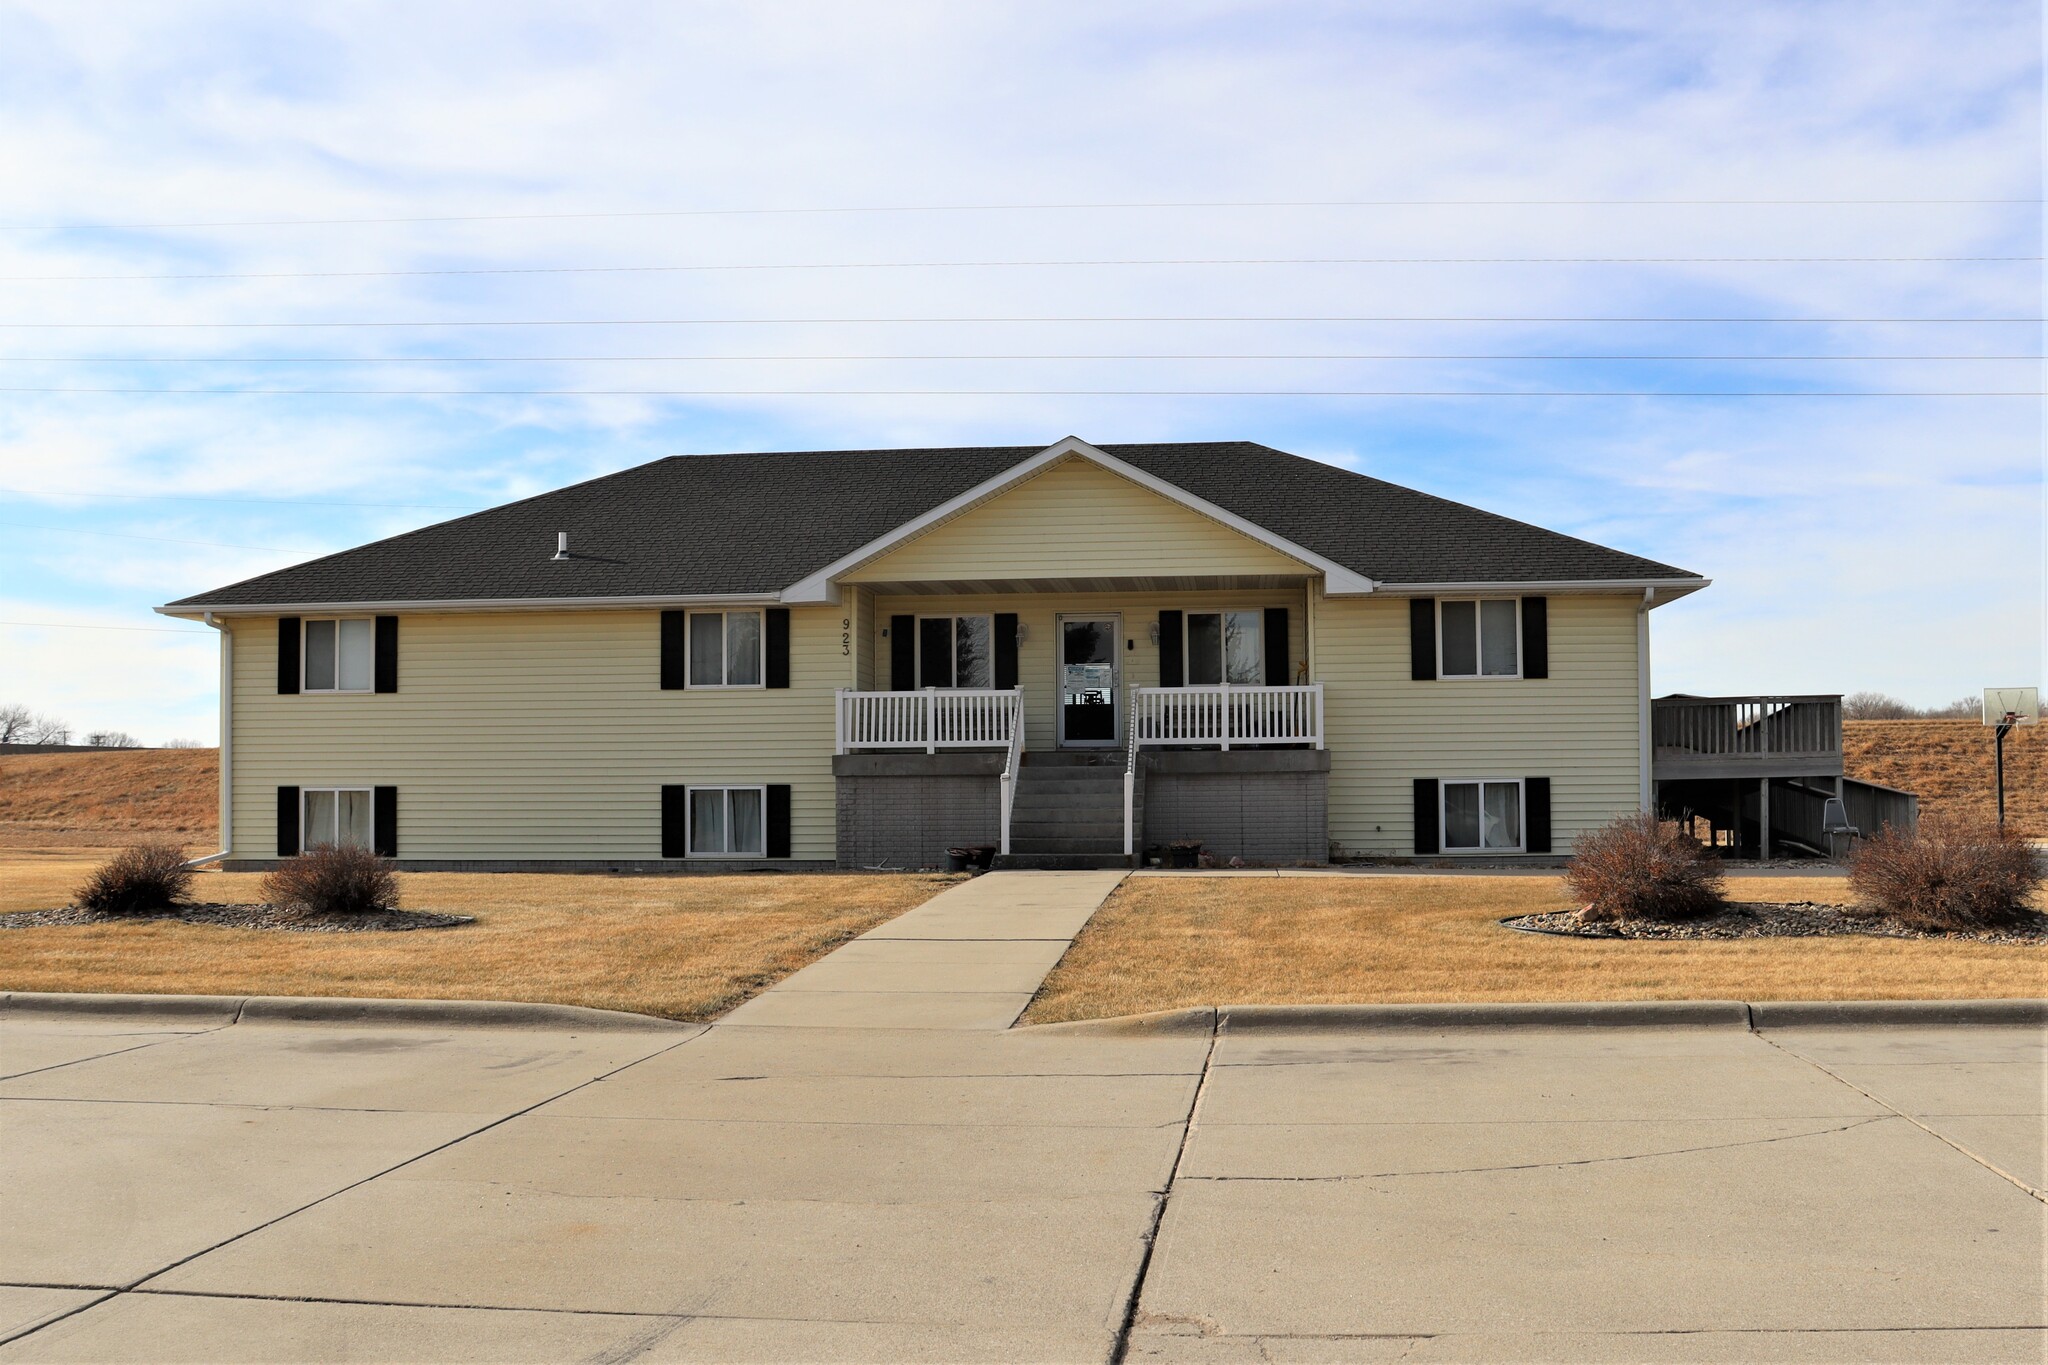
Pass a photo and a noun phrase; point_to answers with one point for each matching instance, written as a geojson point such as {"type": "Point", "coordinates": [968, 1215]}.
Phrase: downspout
{"type": "Point", "coordinates": [1644, 751]}
{"type": "Point", "coordinates": [227, 744]}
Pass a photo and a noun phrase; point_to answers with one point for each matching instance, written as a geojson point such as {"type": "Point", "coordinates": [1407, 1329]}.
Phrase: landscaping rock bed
{"type": "Point", "coordinates": [281, 918]}
{"type": "Point", "coordinates": [1766, 919]}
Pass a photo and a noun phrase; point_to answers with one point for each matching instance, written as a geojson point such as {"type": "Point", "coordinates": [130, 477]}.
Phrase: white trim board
{"type": "Point", "coordinates": [1338, 581]}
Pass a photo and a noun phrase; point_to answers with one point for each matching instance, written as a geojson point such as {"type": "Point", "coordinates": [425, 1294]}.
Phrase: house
{"type": "Point", "coordinates": [862, 658]}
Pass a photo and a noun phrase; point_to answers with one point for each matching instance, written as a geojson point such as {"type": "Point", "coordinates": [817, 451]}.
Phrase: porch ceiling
{"type": "Point", "coordinates": [963, 587]}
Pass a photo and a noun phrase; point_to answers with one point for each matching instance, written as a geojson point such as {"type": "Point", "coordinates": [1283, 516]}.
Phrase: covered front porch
{"type": "Point", "coordinates": [1030, 717]}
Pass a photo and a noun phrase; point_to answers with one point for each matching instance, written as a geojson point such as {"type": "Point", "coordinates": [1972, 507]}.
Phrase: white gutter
{"type": "Point", "coordinates": [227, 745]}
{"type": "Point", "coordinates": [196, 611]}
{"type": "Point", "coordinates": [1644, 749]}
{"type": "Point", "coordinates": [1675, 586]}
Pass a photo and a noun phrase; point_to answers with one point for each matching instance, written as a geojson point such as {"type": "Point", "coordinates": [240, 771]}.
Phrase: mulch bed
{"type": "Point", "coordinates": [280, 918]}
{"type": "Point", "coordinates": [1767, 919]}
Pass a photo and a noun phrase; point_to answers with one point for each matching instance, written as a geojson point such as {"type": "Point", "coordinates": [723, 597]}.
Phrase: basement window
{"type": "Point", "coordinates": [1479, 638]}
{"type": "Point", "coordinates": [1482, 816]}
{"type": "Point", "coordinates": [339, 816]}
{"type": "Point", "coordinates": [955, 651]}
{"type": "Point", "coordinates": [727, 822]}
{"type": "Point", "coordinates": [340, 655]}
{"type": "Point", "coordinates": [725, 649]}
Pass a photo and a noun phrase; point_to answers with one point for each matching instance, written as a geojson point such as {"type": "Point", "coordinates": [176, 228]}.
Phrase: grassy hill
{"type": "Point", "coordinates": [109, 798]}
{"type": "Point", "coordinates": [1948, 762]}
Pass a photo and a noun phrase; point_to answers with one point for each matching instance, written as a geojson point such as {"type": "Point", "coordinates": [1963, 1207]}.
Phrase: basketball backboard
{"type": "Point", "coordinates": [2023, 704]}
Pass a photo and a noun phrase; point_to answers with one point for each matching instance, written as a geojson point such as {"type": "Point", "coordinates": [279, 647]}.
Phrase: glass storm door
{"type": "Point", "coordinates": [1088, 680]}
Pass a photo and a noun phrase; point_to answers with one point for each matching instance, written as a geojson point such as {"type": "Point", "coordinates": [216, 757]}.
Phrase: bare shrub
{"type": "Point", "coordinates": [1635, 868]}
{"type": "Point", "coordinates": [334, 879]}
{"type": "Point", "coordinates": [138, 879]}
{"type": "Point", "coordinates": [1954, 872]}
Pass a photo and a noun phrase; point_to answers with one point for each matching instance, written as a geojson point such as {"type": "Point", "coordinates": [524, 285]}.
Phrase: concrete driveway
{"type": "Point", "coordinates": [860, 1167]}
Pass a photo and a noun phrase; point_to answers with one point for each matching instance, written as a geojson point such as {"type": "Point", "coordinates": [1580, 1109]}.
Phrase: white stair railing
{"type": "Point", "coordinates": [1131, 778]}
{"type": "Point", "coordinates": [1010, 767]}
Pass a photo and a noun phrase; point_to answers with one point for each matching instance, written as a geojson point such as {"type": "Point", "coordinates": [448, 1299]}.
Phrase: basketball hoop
{"type": "Point", "coordinates": [2005, 707]}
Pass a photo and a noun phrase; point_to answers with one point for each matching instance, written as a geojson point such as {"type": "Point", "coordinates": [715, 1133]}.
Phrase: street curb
{"type": "Point", "coordinates": [1748, 1016]}
{"type": "Point", "coordinates": [1895, 1013]}
{"type": "Point", "coordinates": [276, 1009]}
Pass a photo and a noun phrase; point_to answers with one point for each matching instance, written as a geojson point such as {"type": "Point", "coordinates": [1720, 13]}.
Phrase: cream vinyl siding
{"type": "Point", "coordinates": [1578, 727]}
{"type": "Point", "coordinates": [537, 735]}
{"type": "Point", "coordinates": [1038, 652]}
{"type": "Point", "coordinates": [1075, 519]}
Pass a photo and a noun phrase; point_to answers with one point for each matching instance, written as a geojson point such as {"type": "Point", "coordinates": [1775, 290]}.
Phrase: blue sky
{"type": "Point", "coordinates": [1555, 161]}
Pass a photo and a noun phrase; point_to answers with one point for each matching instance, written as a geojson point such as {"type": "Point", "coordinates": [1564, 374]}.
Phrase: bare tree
{"type": "Point", "coordinates": [186, 744]}
{"type": "Point", "coordinates": [112, 739]}
{"type": "Point", "coordinates": [16, 721]}
{"type": "Point", "coordinates": [48, 730]}
{"type": "Point", "coordinates": [1875, 706]}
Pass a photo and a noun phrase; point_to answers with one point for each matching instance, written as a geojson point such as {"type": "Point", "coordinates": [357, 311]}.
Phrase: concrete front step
{"type": "Point", "coordinates": [1063, 862]}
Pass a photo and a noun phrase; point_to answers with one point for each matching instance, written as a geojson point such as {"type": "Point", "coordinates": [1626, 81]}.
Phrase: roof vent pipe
{"type": "Point", "coordinates": [561, 545]}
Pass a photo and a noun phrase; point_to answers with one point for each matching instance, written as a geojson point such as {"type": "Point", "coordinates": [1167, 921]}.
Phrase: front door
{"type": "Point", "coordinates": [1089, 674]}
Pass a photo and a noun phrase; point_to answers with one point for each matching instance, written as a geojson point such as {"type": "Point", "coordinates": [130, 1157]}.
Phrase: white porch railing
{"type": "Point", "coordinates": [1226, 714]}
{"type": "Point", "coordinates": [1011, 763]}
{"type": "Point", "coordinates": [931, 720]}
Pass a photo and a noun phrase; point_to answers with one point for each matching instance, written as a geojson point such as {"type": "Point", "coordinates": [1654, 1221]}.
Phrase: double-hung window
{"type": "Point", "coordinates": [728, 822]}
{"type": "Point", "coordinates": [725, 649]}
{"type": "Point", "coordinates": [955, 651]}
{"type": "Point", "coordinates": [1482, 817]}
{"type": "Point", "coordinates": [334, 815]}
{"type": "Point", "coordinates": [1225, 646]}
{"type": "Point", "coordinates": [340, 655]}
{"type": "Point", "coordinates": [1480, 638]}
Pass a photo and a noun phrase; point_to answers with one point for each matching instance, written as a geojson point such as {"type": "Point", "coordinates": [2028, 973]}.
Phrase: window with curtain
{"type": "Point", "coordinates": [956, 651]}
{"type": "Point", "coordinates": [728, 821]}
{"type": "Point", "coordinates": [1482, 817]}
{"type": "Point", "coordinates": [340, 655]}
{"type": "Point", "coordinates": [1225, 646]}
{"type": "Point", "coordinates": [725, 649]}
{"type": "Point", "coordinates": [334, 815]}
{"type": "Point", "coordinates": [1480, 637]}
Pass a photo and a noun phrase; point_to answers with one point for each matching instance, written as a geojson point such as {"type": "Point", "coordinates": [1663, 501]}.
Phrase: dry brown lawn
{"type": "Point", "coordinates": [1168, 942]}
{"type": "Point", "coordinates": [683, 947]}
{"type": "Point", "coordinates": [1949, 764]}
{"type": "Point", "coordinates": [100, 800]}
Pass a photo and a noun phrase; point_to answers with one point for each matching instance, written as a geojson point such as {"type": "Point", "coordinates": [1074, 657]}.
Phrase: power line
{"type": "Point", "coordinates": [998, 208]}
{"type": "Point", "coordinates": [286, 502]}
{"type": "Point", "coordinates": [984, 265]}
{"type": "Point", "coordinates": [1041, 393]}
{"type": "Point", "coordinates": [73, 625]}
{"type": "Point", "coordinates": [118, 535]}
{"type": "Point", "coordinates": [1128, 355]}
{"type": "Point", "coordinates": [1060, 321]}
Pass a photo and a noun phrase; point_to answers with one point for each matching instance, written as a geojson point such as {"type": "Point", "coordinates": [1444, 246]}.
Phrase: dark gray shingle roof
{"type": "Point", "coordinates": [714, 524]}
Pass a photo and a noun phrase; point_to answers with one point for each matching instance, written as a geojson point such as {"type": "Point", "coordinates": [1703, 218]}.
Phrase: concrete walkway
{"type": "Point", "coordinates": [864, 1165]}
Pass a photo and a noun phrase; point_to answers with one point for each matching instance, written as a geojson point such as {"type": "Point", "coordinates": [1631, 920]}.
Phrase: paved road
{"type": "Point", "coordinates": [858, 1167]}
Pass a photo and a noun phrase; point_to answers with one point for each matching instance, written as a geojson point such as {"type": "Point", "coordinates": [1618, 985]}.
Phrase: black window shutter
{"type": "Point", "coordinates": [778, 820]}
{"type": "Point", "coordinates": [387, 654]}
{"type": "Point", "coordinates": [675, 650]}
{"type": "Point", "coordinates": [384, 821]}
{"type": "Point", "coordinates": [675, 817]}
{"type": "Point", "coordinates": [1422, 640]}
{"type": "Point", "coordinates": [1006, 649]}
{"type": "Point", "coordinates": [776, 674]}
{"type": "Point", "coordinates": [1535, 637]}
{"type": "Point", "coordinates": [1170, 662]}
{"type": "Point", "coordinates": [1277, 662]}
{"type": "Point", "coordinates": [287, 822]}
{"type": "Point", "coordinates": [903, 654]}
{"type": "Point", "coordinates": [1426, 838]}
{"type": "Point", "coordinates": [1536, 813]}
{"type": "Point", "coordinates": [288, 656]}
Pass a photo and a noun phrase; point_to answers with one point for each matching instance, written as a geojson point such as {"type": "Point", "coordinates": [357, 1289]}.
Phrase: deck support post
{"type": "Point", "coordinates": [1763, 818]}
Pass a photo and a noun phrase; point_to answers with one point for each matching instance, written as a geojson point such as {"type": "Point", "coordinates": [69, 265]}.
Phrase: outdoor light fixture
{"type": "Point", "coordinates": [1153, 631]}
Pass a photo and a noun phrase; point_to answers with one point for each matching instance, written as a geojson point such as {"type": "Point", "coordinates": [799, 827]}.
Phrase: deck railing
{"type": "Point", "coordinates": [1746, 727]}
{"type": "Point", "coordinates": [931, 720]}
{"type": "Point", "coordinates": [1227, 714]}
